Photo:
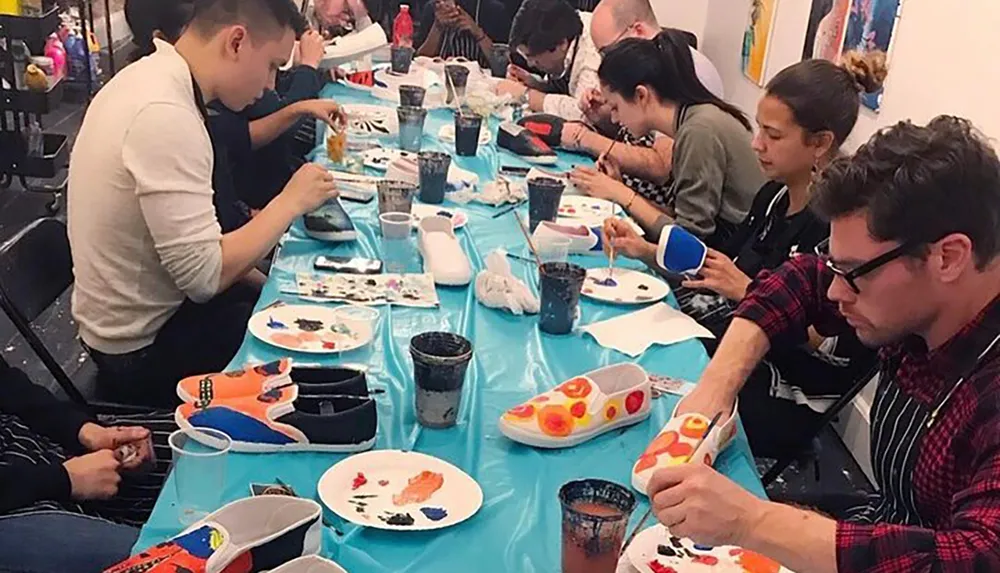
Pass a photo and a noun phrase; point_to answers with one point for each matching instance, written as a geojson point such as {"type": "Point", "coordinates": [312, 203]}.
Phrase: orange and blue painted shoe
{"type": "Point", "coordinates": [247, 381]}
{"type": "Point", "coordinates": [675, 444]}
{"type": "Point", "coordinates": [283, 420]}
{"type": "Point", "coordinates": [581, 408]}
{"type": "Point", "coordinates": [246, 536]}
{"type": "Point", "coordinates": [310, 564]}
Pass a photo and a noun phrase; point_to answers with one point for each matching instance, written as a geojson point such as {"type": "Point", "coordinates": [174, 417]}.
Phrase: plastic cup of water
{"type": "Point", "coordinates": [199, 470]}
{"type": "Point", "coordinates": [396, 225]}
{"type": "Point", "coordinates": [552, 249]}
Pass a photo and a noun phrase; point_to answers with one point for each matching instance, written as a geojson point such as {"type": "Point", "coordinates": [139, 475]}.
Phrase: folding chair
{"type": "Point", "coordinates": [35, 269]}
{"type": "Point", "coordinates": [828, 417]}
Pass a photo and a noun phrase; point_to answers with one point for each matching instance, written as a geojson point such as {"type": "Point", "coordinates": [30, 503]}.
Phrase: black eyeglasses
{"type": "Point", "coordinates": [868, 267]}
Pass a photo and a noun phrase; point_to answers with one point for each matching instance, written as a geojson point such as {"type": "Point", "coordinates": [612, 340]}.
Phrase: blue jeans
{"type": "Point", "coordinates": [59, 542]}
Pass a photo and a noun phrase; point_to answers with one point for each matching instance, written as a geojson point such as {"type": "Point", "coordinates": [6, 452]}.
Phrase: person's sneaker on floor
{"type": "Point", "coordinates": [247, 381]}
{"type": "Point", "coordinates": [310, 564]}
{"type": "Point", "coordinates": [546, 126]}
{"type": "Point", "coordinates": [522, 142]}
{"type": "Point", "coordinates": [246, 536]}
{"type": "Point", "coordinates": [283, 420]}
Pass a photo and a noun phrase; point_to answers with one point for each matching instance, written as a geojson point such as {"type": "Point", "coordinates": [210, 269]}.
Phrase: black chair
{"type": "Point", "coordinates": [36, 268]}
{"type": "Point", "coordinates": [809, 441]}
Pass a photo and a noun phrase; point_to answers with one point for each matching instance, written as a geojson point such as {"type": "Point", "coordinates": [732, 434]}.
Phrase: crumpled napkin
{"type": "Point", "coordinates": [497, 287]}
{"type": "Point", "coordinates": [493, 193]}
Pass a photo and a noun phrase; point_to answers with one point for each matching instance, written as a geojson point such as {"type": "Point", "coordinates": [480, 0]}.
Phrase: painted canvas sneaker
{"type": "Point", "coordinates": [546, 126]}
{"type": "Point", "coordinates": [583, 240]}
{"type": "Point", "coordinates": [675, 445]}
{"type": "Point", "coordinates": [247, 380]}
{"type": "Point", "coordinates": [282, 420]}
{"type": "Point", "coordinates": [581, 408]}
{"type": "Point", "coordinates": [310, 564]}
{"type": "Point", "coordinates": [246, 536]}
{"type": "Point", "coordinates": [525, 144]}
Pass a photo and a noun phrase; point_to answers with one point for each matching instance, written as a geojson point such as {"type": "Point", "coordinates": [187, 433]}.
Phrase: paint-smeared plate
{"type": "Point", "coordinates": [588, 211]}
{"type": "Point", "coordinates": [379, 158]}
{"type": "Point", "coordinates": [447, 134]}
{"type": "Point", "coordinates": [381, 476]}
{"type": "Point", "coordinates": [311, 329]}
{"type": "Point", "coordinates": [624, 286]}
{"type": "Point", "coordinates": [371, 119]}
{"type": "Point", "coordinates": [458, 217]}
{"type": "Point", "coordinates": [683, 556]}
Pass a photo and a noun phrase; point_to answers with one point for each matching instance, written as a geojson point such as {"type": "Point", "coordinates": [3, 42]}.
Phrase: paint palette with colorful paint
{"type": "Point", "coordinates": [458, 217]}
{"type": "Point", "coordinates": [586, 210]}
{"type": "Point", "coordinates": [379, 158]}
{"type": "Point", "coordinates": [655, 550]}
{"type": "Point", "coordinates": [308, 328]}
{"type": "Point", "coordinates": [371, 119]}
{"type": "Point", "coordinates": [624, 286]}
{"type": "Point", "coordinates": [397, 490]}
{"type": "Point", "coordinates": [416, 290]}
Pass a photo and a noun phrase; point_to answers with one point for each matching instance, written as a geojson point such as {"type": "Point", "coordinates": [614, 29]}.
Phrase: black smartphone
{"type": "Point", "coordinates": [355, 265]}
{"type": "Point", "coordinates": [514, 171]}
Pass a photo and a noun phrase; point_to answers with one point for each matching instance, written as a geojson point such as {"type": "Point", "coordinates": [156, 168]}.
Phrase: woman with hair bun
{"type": "Point", "coordinates": [807, 112]}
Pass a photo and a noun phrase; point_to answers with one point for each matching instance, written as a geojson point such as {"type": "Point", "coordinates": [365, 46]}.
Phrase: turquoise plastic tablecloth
{"type": "Point", "coordinates": [517, 528]}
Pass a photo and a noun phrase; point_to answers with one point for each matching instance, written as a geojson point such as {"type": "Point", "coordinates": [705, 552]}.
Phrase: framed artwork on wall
{"type": "Point", "coordinates": [825, 32]}
{"type": "Point", "coordinates": [870, 28]}
{"type": "Point", "coordinates": [757, 39]}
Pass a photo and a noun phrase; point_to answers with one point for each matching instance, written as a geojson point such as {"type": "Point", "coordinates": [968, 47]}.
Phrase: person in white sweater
{"type": "Point", "coordinates": [157, 295]}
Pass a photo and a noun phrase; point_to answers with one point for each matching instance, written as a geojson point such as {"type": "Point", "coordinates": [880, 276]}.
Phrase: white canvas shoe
{"type": "Point", "coordinates": [246, 536]}
{"type": "Point", "coordinates": [310, 564]}
{"type": "Point", "coordinates": [583, 240]}
{"type": "Point", "coordinates": [443, 255]}
{"type": "Point", "coordinates": [353, 46]}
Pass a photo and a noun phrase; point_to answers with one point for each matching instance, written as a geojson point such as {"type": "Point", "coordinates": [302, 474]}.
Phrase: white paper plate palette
{"type": "Point", "coordinates": [623, 286]}
{"type": "Point", "coordinates": [371, 119]}
{"type": "Point", "coordinates": [654, 550]}
{"type": "Point", "coordinates": [379, 158]}
{"type": "Point", "coordinates": [588, 211]}
{"type": "Point", "coordinates": [458, 217]}
{"type": "Point", "coordinates": [397, 490]}
{"type": "Point", "coordinates": [308, 328]}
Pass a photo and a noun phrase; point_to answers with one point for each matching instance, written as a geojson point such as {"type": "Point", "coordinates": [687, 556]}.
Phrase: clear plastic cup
{"type": "Point", "coordinates": [199, 469]}
{"type": "Point", "coordinates": [396, 225]}
{"type": "Point", "coordinates": [595, 514]}
{"type": "Point", "coordinates": [552, 249]}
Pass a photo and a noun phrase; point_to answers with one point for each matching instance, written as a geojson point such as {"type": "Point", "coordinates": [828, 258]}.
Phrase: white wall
{"type": "Point", "coordinates": [690, 15]}
{"type": "Point", "coordinates": [943, 61]}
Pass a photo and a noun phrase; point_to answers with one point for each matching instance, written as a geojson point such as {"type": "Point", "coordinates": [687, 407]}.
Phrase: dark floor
{"type": "Point", "coordinates": [838, 472]}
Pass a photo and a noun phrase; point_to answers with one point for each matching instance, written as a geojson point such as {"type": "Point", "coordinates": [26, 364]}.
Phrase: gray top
{"type": "Point", "coordinates": [715, 172]}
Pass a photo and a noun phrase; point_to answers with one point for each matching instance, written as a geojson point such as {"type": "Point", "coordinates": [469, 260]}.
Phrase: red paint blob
{"type": "Point", "coordinates": [706, 559]}
{"type": "Point", "coordinates": [359, 481]}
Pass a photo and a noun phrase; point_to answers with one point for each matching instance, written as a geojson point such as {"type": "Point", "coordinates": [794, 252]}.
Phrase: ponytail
{"type": "Point", "coordinates": [665, 65]}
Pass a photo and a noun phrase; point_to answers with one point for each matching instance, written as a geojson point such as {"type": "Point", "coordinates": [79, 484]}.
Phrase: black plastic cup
{"type": "Point", "coordinates": [395, 196]}
{"type": "Point", "coordinates": [467, 127]}
{"type": "Point", "coordinates": [411, 95]}
{"type": "Point", "coordinates": [456, 81]}
{"type": "Point", "coordinates": [433, 167]}
{"type": "Point", "coordinates": [400, 58]}
{"type": "Point", "coordinates": [560, 284]}
{"type": "Point", "coordinates": [544, 195]}
{"type": "Point", "coordinates": [499, 60]}
{"type": "Point", "coordinates": [440, 361]}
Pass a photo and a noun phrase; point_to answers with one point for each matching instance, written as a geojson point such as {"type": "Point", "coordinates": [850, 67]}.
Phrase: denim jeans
{"type": "Point", "coordinates": [60, 542]}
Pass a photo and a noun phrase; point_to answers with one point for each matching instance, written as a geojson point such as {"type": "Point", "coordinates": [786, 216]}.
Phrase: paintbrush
{"type": "Point", "coordinates": [645, 516]}
{"type": "Point", "coordinates": [611, 262]}
{"type": "Point", "coordinates": [499, 214]}
{"type": "Point", "coordinates": [527, 237]}
{"type": "Point", "coordinates": [600, 162]}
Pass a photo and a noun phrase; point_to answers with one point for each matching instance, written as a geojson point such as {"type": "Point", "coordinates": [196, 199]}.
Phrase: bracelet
{"type": "Point", "coordinates": [632, 200]}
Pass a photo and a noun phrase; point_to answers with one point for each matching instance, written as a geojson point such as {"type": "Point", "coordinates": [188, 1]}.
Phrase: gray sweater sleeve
{"type": "Point", "coordinates": [699, 172]}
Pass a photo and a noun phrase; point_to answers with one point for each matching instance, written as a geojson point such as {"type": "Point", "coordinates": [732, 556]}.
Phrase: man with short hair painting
{"type": "Point", "coordinates": [913, 268]}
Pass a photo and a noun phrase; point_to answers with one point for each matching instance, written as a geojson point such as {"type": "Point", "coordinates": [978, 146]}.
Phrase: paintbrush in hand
{"type": "Point", "coordinates": [600, 160]}
{"type": "Point", "coordinates": [645, 516]}
{"type": "Point", "coordinates": [527, 237]}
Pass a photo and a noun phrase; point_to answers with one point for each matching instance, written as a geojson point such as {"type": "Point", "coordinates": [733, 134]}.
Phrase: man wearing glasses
{"type": "Point", "coordinates": [913, 268]}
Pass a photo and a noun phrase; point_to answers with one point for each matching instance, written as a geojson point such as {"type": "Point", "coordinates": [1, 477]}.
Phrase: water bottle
{"type": "Point", "coordinates": [36, 140]}
{"type": "Point", "coordinates": [402, 28]}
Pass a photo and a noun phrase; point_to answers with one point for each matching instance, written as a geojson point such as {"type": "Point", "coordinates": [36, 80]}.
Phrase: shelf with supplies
{"type": "Point", "coordinates": [32, 29]}
{"type": "Point", "coordinates": [31, 101]}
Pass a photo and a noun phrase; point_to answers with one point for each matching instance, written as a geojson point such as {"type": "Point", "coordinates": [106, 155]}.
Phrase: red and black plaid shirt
{"type": "Point", "coordinates": [956, 477]}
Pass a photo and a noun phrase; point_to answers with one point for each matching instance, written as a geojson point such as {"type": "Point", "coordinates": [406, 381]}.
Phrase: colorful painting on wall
{"type": "Point", "coordinates": [870, 27]}
{"type": "Point", "coordinates": [825, 32]}
{"type": "Point", "coordinates": [757, 39]}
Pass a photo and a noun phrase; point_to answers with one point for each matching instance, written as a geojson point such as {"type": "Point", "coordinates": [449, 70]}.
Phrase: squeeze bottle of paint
{"type": "Point", "coordinates": [402, 28]}
{"type": "Point", "coordinates": [55, 50]}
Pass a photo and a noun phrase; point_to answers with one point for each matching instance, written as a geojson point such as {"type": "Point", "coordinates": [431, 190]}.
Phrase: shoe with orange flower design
{"type": "Point", "coordinates": [581, 408]}
{"type": "Point", "coordinates": [675, 444]}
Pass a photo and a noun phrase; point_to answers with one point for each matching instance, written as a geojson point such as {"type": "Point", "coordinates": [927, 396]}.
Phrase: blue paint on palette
{"type": "Point", "coordinates": [606, 282]}
{"type": "Point", "coordinates": [275, 324]}
{"type": "Point", "coordinates": [702, 547]}
{"type": "Point", "coordinates": [434, 513]}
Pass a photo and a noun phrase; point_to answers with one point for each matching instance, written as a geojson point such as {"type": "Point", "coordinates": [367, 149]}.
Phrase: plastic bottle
{"type": "Point", "coordinates": [55, 50]}
{"type": "Point", "coordinates": [21, 57]}
{"type": "Point", "coordinates": [402, 28]}
{"type": "Point", "coordinates": [35, 139]}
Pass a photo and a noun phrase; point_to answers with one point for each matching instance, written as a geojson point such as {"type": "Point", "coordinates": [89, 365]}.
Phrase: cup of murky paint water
{"type": "Point", "coordinates": [433, 170]}
{"type": "Point", "coordinates": [395, 196]}
{"type": "Point", "coordinates": [411, 127]}
{"type": "Point", "coordinates": [199, 471]}
{"type": "Point", "coordinates": [561, 284]}
{"type": "Point", "coordinates": [595, 514]}
{"type": "Point", "coordinates": [412, 95]}
{"type": "Point", "coordinates": [499, 60]}
{"type": "Point", "coordinates": [544, 196]}
{"type": "Point", "coordinates": [467, 128]}
{"type": "Point", "coordinates": [440, 362]}
{"type": "Point", "coordinates": [456, 80]}
{"type": "Point", "coordinates": [400, 58]}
